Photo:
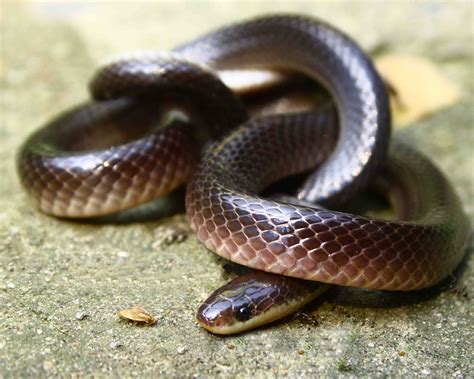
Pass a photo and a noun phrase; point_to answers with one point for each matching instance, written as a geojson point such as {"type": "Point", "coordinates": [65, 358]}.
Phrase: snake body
{"type": "Point", "coordinates": [72, 168]}
{"type": "Point", "coordinates": [319, 244]}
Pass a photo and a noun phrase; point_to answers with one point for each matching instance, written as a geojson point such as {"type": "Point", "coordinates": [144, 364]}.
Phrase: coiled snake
{"type": "Point", "coordinates": [135, 143]}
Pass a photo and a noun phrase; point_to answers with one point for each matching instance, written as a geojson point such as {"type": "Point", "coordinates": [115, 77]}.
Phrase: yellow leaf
{"type": "Point", "coordinates": [420, 87]}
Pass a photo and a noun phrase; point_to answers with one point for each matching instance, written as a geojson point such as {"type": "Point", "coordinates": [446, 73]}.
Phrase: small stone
{"type": "Point", "coordinates": [116, 345]}
{"type": "Point", "coordinates": [426, 372]}
{"type": "Point", "coordinates": [48, 366]}
{"type": "Point", "coordinates": [181, 350]}
{"type": "Point", "coordinates": [10, 286]}
{"type": "Point", "coordinates": [370, 344]}
{"type": "Point", "coordinates": [81, 315]}
{"type": "Point", "coordinates": [123, 254]}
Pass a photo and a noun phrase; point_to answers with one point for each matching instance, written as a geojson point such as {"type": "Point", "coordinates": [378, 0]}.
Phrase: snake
{"type": "Point", "coordinates": [161, 120]}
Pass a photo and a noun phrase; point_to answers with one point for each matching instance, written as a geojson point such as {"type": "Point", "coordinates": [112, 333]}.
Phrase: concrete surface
{"type": "Point", "coordinates": [61, 282]}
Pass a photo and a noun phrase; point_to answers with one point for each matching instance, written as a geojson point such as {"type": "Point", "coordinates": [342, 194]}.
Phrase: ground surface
{"type": "Point", "coordinates": [61, 283]}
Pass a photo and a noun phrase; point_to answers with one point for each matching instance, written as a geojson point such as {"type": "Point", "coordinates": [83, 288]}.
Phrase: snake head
{"type": "Point", "coordinates": [253, 300]}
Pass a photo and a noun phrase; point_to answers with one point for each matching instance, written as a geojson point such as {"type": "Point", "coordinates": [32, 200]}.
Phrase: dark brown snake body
{"type": "Point", "coordinates": [74, 176]}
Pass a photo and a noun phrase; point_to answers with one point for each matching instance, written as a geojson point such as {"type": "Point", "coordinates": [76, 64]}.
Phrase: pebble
{"type": "Point", "coordinates": [81, 315]}
{"type": "Point", "coordinates": [116, 345]}
{"type": "Point", "coordinates": [48, 366]}
{"type": "Point", "coordinates": [123, 254]}
{"type": "Point", "coordinates": [181, 350]}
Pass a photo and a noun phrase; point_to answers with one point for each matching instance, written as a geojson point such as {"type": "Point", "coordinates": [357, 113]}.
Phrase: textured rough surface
{"type": "Point", "coordinates": [62, 282]}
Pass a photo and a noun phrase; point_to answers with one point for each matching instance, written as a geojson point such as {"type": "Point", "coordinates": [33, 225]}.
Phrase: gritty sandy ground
{"type": "Point", "coordinates": [61, 282]}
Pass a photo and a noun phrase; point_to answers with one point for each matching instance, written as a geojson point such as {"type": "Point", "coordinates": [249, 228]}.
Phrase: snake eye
{"type": "Point", "coordinates": [244, 314]}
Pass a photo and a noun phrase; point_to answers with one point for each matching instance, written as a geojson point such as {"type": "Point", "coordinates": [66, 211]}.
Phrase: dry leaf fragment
{"type": "Point", "coordinates": [138, 315]}
{"type": "Point", "coordinates": [421, 87]}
